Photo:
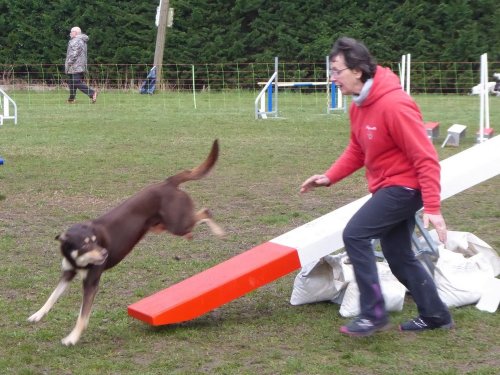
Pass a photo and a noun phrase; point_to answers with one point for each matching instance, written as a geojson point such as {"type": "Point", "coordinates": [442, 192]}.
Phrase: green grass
{"type": "Point", "coordinates": [68, 163]}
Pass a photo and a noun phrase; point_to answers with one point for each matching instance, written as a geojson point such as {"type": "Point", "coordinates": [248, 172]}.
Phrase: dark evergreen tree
{"type": "Point", "coordinates": [220, 31]}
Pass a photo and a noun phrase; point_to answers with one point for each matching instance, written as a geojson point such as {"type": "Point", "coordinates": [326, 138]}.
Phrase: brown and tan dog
{"type": "Point", "coordinates": [91, 248]}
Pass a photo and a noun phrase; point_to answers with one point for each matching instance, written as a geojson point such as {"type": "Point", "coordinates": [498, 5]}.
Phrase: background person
{"type": "Point", "coordinates": [76, 65]}
{"type": "Point", "coordinates": [403, 172]}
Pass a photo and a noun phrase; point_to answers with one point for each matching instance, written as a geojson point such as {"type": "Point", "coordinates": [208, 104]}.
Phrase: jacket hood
{"type": "Point", "coordinates": [385, 81]}
{"type": "Point", "coordinates": [83, 37]}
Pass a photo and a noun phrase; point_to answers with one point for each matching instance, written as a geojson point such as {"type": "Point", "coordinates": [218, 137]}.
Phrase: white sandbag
{"type": "Point", "coordinates": [490, 297]}
{"type": "Point", "coordinates": [459, 280]}
{"type": "Point", "coordinates": [321, 280]}
{"type": "Point", "coordinates": [392, 291]}
{"type": "Point", "coordinates": [466, 272]}
{"type": "Point", "coordinates": [469, 245]}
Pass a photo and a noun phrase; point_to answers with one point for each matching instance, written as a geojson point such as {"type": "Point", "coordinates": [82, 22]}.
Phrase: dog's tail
{"type": "Point", "coordinates": [200, 171]}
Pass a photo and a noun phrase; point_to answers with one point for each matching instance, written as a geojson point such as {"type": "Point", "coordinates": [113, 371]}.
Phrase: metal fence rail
{"type": "Point", "coordinates": [426, 77]}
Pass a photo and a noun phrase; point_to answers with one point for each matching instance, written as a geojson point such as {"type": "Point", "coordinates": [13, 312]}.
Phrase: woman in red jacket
{"type": "Point", "coordinates": [403, 172]}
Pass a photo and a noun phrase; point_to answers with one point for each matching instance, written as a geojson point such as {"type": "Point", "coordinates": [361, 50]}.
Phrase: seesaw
{"type": "Point", "coordinates": [284, 254]}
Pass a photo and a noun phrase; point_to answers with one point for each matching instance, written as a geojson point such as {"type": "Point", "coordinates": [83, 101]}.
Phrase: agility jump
{"type": "Point", "coordinates": [266, 103]}
{"type": "Point", "coordinates": [6, 103]}
{"type": "Point", "coordinates": [289, 252]}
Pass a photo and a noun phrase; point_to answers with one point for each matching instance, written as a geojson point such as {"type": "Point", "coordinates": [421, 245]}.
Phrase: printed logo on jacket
{"type": "Point", "coordinates": [370, 131]}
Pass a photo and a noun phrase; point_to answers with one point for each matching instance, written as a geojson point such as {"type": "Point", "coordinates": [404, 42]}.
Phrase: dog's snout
{"type": "Point", "coordinates": [104, 256]}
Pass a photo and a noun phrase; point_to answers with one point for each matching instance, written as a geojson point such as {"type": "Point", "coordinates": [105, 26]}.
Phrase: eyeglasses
{"type": "Point", "coordinates": [336, 72]}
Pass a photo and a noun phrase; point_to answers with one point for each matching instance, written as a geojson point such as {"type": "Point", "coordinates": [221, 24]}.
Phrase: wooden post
{"type": "Point", "coordinates": [160, 40]}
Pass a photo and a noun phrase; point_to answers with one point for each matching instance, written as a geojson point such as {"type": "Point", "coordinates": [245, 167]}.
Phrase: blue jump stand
{"type": "Point", "coordinates": [1, 161]}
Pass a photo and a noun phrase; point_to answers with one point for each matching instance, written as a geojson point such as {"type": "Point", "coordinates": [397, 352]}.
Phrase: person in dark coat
{"type": "Point", "coordinates": [76, 65]}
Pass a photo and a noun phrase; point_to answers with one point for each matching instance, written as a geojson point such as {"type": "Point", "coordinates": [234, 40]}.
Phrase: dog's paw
{"type": "Point", "coordinates": [71, 339]}
{"type": "Point", "coordinates": [220, 233]}
{"type": "Point", "coordinates": [36, 317]}
{"type": "Point", "coordinates": [217, 230]}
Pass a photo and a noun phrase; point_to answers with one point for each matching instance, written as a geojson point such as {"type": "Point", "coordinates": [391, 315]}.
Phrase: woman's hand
{"type": "Point", "coordinates": [313, 182]}
{"type": "Point", "coordinates": [439, 224]}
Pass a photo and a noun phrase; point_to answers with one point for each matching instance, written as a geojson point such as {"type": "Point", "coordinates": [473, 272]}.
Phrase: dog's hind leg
{"type": "Point", "coordinates": [58, 291]}
{"type": "Point", "coordinates": [204, 216]}
{"type": "Point", "coordinates": [90, 286]}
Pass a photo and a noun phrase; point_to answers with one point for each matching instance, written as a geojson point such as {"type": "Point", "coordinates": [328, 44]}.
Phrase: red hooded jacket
{"type": "Point", "coordinates": [389, 139]}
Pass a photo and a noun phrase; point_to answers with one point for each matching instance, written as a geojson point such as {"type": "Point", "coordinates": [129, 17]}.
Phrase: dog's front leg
{"type": "Point", "coordinates": [90, 286]}
{"type": "Point", "coordinates": [66, 278]}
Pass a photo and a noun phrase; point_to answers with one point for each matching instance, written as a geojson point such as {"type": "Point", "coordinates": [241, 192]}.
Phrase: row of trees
{"type": "Point", "coordinates": [211, 31]}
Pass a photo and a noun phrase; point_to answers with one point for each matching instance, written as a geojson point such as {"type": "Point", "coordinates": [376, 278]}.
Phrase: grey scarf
{"type": "Point", "coordinates": [359, 99]}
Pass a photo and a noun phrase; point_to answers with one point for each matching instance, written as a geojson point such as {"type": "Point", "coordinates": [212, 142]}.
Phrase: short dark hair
{"type": "Point", "coordinates": [356, 56]}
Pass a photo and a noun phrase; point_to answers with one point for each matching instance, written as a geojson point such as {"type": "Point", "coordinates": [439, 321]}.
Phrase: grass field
{"type": "Point", "coordinates": [68, 163]}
